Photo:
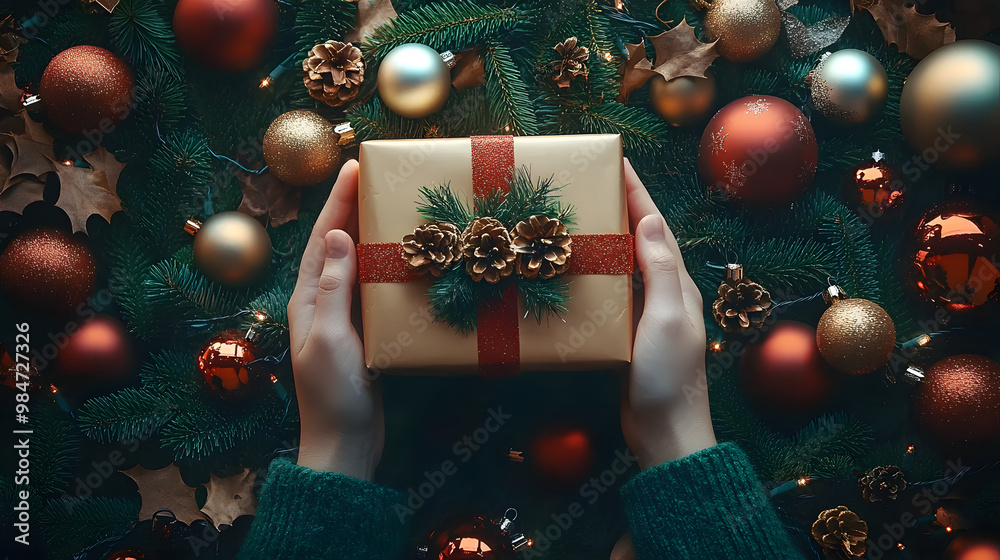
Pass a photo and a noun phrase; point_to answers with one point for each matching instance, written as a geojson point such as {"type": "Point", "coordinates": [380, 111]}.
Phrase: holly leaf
{"type": "Point", "coordinates": [108, 5]}
{"type": "Point", "coordinates": [11, 38]}
{"type": "Point", "coordinates": [19, 193]}
{"type": "Point", "coordinates": [84, 192]}
{"type": "Point", "coordinates": [469, 70]}
{"type": "Point", "coordinates": [914, 33]}
{"type": "Point", "coordinates": [28, 147]}
{"type": "Point", "coordinates": [165, 489]}
{"type": "Point", "coordinates": [268, 197]}
{"type": "Point", "coordinates": [10, 94]}
{"type": "Point", "coordinates": [636, 71]}
{"type": "Point", "coordinates": [680, 53]}
{"type": "Point", "coordinates": [371, 15]}
{"type": "Point", "coordinates": [230, 497]}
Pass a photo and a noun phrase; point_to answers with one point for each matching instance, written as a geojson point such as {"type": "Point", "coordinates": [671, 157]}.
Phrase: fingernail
{"type": "Point", "coordinates": [336, 246]}
{"type": "Point", "coordinates": [653, 229]}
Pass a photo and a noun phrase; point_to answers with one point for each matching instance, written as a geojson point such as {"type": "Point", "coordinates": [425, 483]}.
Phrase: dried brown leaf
{"type": "Point", "coordinates": [84, 192]}
{"type": "Point", "coordinates": [469, 71]}
{"type": "Point", "coordinates": [680, 53]}
{"type": "Point", "coordinates": [914, 33]}
{"type": "Point", "coordinates": [230, 497]}
{"type": "Point", "coordinates": [268, 197]}
{"type": "Point", "coordinates": [10, 94]}
{"type": "Point", "coordinates": [636, 71]}
{"type": "Point", "coordinates": [371, 15]}
{"type": "Point", "coordinates": [164, 489]}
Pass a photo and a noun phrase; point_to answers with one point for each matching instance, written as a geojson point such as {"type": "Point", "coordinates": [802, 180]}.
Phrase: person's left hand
{"type": "Point", "coordinates": [342, 424]}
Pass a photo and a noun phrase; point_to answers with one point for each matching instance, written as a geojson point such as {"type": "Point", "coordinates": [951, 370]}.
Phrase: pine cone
{"type": "Point", "coordinates": [543, 247]}
{"type": "Point", "coordinates": [432, 247]}
{"type": "Point", "coordinates": [882, 483]}
{"type": "Point", "coordinates": [334, 72]}
{"type": "Point", "coordinates": [572, 63]}
{"type": "Point", "coordinates": [742, 305]}
{"type": "Point", "coordinates": [487, 252]}
{"type": "Point", "coordinates": [841, 532]}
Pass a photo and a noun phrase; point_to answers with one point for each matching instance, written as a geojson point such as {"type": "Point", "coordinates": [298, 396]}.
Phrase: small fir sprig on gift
{"type": "Point", "coordinates": [484, 271]}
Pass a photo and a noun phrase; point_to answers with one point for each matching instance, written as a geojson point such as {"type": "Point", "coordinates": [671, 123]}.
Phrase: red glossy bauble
{"type": "Point", "coordinates": [224, 364]}
{"type": "Point", "coordinates": [472, 538]}
{"type": "Point", "coordinates": [226, 35]}
{"type": "Point", "coordinates": [785, 370]}
{"type": "Point", "coordinates": [760, 150]}
{"type": "Point", "coordinates": [952, 261]}
{"type": "Point", "coordinates": [47, 271]}
{"type": "Point", "coordinates": [563, 455]}
{"type": "Point", "coordinates": [959, 400]}
{"type": "Point", "coordinates": [86, 89]}
{"type": "Point", "coordinates": [876, 187]}
{"type": "Point", "coordinates": [99, 349]}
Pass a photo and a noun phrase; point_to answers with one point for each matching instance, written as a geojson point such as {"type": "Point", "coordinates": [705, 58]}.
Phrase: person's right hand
{"type": "Point", "coordinates": [665, 412]}
{"type": "Point", "coordinates": [342, 424]}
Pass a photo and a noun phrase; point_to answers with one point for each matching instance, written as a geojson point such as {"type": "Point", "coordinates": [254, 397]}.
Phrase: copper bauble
{"type": "Point", "coordinates": [100, 348]}
{"type": "Point", "coordinates": [952, 263]}
{"type": "Point", "coordinates": [684, 100]}
{"type": "Point", "coordinates": [86, 89]}
{"type": "Point", "coordinates": [959, 400]}
{"type": "Point", "coordinates": [950, 105]}
{"type": "Point", "coordinates": [784, 369]}
{"type": "Point", "coordinates": [855, 336]}
{"type": "Point", "coordinates": [47, 271]}
{"type": "Point", "coordinates": [232, 248]}
{"type": "Point", "coordinates": [759, 149]}
{"type": "Point", "coordinates": [849, 86]}
{"type": "Point", "coordinates": [301, 148]}
{"type": "Point", "coordinates": [745, 29]}
{"type": "Point", "coordinates": [875, 186]}
{"type": "Point", "coordinates": [470, 538]}
{"type": "Point", "coordinates": [224, 364]}
{"type": "Point", "coordinates": [413, 80]}
{"type": "Point", "coordinates": [563, 455]}
{"type": "Point", "coordinates": [226, 35]}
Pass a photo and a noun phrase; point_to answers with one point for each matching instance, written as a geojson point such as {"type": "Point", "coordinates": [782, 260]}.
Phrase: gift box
{"type": "Point", "coordinates": [405, 333]}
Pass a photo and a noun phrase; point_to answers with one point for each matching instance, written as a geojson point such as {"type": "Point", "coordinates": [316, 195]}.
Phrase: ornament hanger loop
{"type": "Point", "coordinates": [656, 13]}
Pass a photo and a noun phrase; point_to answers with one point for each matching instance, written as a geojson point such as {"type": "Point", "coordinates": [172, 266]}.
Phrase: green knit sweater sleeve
{"type": "Point", "coordinates": [307, 514]}
{"type": "Point", "coordinates": [706, 505]}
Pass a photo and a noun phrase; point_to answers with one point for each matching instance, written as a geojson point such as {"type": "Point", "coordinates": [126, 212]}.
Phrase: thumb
{"type": "Point", "coordinates": [336, 282]}
{"type": "Point", "coordinates": [660, 269]}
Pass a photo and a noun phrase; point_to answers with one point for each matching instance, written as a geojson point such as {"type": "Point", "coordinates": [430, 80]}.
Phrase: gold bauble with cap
{"type": "Point", "coordinates": [231, 248]}
{"type": "Point", "coordinates": [414, 80]}
{"type": "Point", "coordinates": [854, 335]}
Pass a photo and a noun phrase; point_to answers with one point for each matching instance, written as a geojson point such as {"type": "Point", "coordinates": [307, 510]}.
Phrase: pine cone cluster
{"type": "Point", "coordinates": [543, 247]}
{"type": "Point", "coordinates": [742, 304]}
{"type": "Point", "coordinates": [841, 533]}
{"type": "Point", "coordinates": [882, 483]}
{"type": "Point", "coordinates": [432, 247]}
{"type": "Point", "coordinates": [571, 65]}
{"type": "Point", "coordinates": [334, 72]}
{"type": "Point", "coordinates": [487, 251]}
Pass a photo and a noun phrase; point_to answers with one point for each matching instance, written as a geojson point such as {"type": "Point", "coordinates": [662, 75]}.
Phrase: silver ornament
{"type": "Point", "coordinates": [849, 86]}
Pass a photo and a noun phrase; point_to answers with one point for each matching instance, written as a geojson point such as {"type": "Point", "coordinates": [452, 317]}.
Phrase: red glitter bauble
{"type": "Point", "coordinates": [564, 455]}
{"type": "Point", "coordinates": [959, 400]}
{"type": "Point", "coordinates": [760, 150]}
{"type": "Point", "coordinates": [226, 35]}
{"type": "Point", "coordinates": [47, 271]}
{"type": "Point", "coordinates": [224, 364]}
{"type": "Point", "coordinates": [100, 349]}
{"type": "Point", "coordinates": [86, 89]}
{"type": "Point", "coordinates": [785, 370]}
{"type": "Point", "coordinates": [952, 262]}
{"type": "Point", "coordinates": [875, 186]}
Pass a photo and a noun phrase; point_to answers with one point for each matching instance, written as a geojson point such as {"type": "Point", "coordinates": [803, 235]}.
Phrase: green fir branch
{"type": "Point", "coordinates": [441, 204]}
{"type": "Point", "coordinates": [317, 21]}
{"type": "Point", "coordinates": [507, 94]}
{"type": "Point", "coordinates": [126, 415]}
{"type": "Point", "coordinates": [545, 297]}
{"type": "Point", "coordinates": [54, 450]}
{"type": "Point", "coordinates": [142, 34]}
{"type": "Point", "coordinates": [71, 524]}
{"type": "Point", "coordinates": [182, 293]}
{"type": "Point", "coordinates": [641, 132]}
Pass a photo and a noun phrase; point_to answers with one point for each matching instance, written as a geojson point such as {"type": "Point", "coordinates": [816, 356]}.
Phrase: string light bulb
{"type": "Point", "coordinates": [803, 481]}
{"type": "Point", "coordinates": [265, 83]}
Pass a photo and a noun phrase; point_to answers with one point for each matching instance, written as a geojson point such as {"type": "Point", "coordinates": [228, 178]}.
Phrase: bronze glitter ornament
{"type": "Point", "coordinates": [854, 335]}
{"type": "Point", "coordinates": [334, 72]}
{"type": "Point", "coordinates": [959, 400]}
{"type": "Point", "coordinates": [746, 29]}
{"type": "Point", "coordinates": [742, 305]}
{"type": "Point", "coordinates": [231, 248]}
{"type": "Point", "coordinates": [950, 108]}
{"type": "Point", "coordinates": [86, 89]}
{"type": "Point", "coordinates": [413, 80]}
{"type": "Point", "coordinates": [432, 248]}
{"type": "Point", "coordinates": [684, 100]}
{"type": "Point", "coordinates": [543, 247]}
{"type": "Point", "coordinates": [301, 148]}
{"type": "Point", "coordinates": [47, 271]}
{"type": "Point", "coordinates": [487, 252]}
{"type": "Point", "coordinates": [849, 86]}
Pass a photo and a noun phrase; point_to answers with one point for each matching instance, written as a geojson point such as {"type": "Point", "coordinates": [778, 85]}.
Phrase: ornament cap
{"type": "Point", "coordinates": [519, 542]}
{"type": "Point", "coordinates": [192, 226]}
{"type": "Point", "coordinates": [914, 375]}
{"type": "Point", "coordinates": [346, 132]}
{"type": "Point", "coordinates": [449, 59]}
{"type": "Point", "coordinates": [734, 272]}
{"type": "Point", "coordinates": [877, 155]}
{"type": "Point", "coordinates": [834, 293]}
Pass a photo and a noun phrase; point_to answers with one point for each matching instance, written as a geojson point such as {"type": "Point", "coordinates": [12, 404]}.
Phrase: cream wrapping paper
{"type": "Point", "coordinates": [399, 331]}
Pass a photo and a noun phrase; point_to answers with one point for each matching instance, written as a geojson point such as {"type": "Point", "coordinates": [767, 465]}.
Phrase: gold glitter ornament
{"type": "Point", "coordinates": [413, 80]}
{"type": "Point", "coordinates": [854, 335]}
{"type": "Point", "coordinates": [301, 148]}
{"type": "Point", "coordinates": [746, 29]}
{"type": "Point", "coordinates": [231, 248]}
{"type": "Point", "coordinates": [849, 86]}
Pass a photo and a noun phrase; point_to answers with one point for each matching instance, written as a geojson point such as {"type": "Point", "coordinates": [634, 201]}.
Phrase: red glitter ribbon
{"type": "Point", "coordinates": [497, 329]}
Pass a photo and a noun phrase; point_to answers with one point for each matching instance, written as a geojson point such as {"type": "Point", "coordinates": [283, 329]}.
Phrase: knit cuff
{"type": "Point", "coordinates": [706, 505]}
{"type": "Point", "coordinates": [308, 514]}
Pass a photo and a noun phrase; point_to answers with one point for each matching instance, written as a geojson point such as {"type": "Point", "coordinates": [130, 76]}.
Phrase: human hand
{"type": "Point", "coordinates": [342, 424]}
{"type": "Point", "coordinates": [665, 414]}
